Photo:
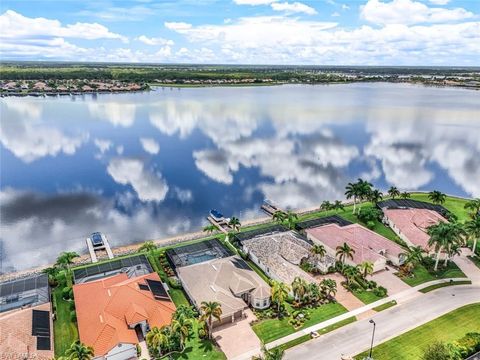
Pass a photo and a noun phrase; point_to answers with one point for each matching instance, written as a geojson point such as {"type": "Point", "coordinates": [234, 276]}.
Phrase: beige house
{"type": "Point", "coordinates": [228, 281]}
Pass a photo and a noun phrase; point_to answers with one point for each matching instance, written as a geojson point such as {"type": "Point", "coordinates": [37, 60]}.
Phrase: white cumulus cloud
{"type": "Point", "coordinates": [154, 40]}
{"type": "Point", "coordinates": [150, 145]}
{"type": "Point", "coordinates": [294, 7]}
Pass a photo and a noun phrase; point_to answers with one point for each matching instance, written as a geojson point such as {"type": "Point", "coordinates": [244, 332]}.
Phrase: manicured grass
{"type": "Point", "coordinates": [178, 297]}
{"type": "Point", "coordinates": [438, 286]}
{"type": "Point", "coordinates": [196, 348]}
{"type": "Point", "coordinates": [273, 329]}
{"type": "Point", "coordinates": [421, 274]}
{"type": "Point", "coordinates": [64, 330]}
{"type": "Point", "coordinates": [367, 297]}
{"type": "Point", "coordinates": [475, 259]}
{"type": "Point", "coordinates": [411, 345]}
{"type": "Point", "coordinates": [453, 204]}
{"type": "Point", "coordinates": [385, 306]}
{"type": "Point", "coordinates": [323, 331]}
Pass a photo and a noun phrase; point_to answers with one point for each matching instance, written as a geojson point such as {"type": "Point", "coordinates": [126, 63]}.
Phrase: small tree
{"type": "Point", "coordinates": [79, 351]}
{"type": "Point", "coordinates": [210, 310]}
{"type": "Point", "coordinates": [279, 293]}
{"type": "Point", "coordinates": [210, 229]}
{"type": "Point", "coordinates": [235, 224]}
{"type": "Point", "coordinates": [437, 197]}
{"type": "Point", "coordinates": [437, 351]}
{"type": "Point", "coordinates": [147, 246]}
{"type": "Point", "coordinates": [393, 192]}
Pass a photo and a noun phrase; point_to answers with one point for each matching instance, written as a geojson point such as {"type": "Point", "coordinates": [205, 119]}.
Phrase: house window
{"type": "Point", "coordinates": [265, 302]}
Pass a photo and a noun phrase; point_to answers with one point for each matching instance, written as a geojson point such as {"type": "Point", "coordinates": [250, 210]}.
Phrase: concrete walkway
{"type": "Point", "coordinates": [145, 354]}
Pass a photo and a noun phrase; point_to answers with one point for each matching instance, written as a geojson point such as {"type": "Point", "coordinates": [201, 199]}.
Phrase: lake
{"type": "Point", "coordinates": [149, 165]}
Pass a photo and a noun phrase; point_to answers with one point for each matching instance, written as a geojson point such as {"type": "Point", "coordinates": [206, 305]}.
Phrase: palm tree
{"type": "Point", "coordinates": [147, 246]}
{"type": "Point", "coordinates": [326, 205]}
{"type": "Point", "coordinates": [453, 249]}
{"type": "Point", "coordinates": [352, 190]}
{"type": "Point", "coordinates": [393, 192]}
{"type": "Point", "coordinates": [318, 250]}
{"type": "Point", "coordinates": [273, 354]}
{"type": "Point", "coordinates": [292, 219]}
{"type": "Point", "coordinates": [437, 197]}
{"type": "Point", "coordinates": [338, 205]}
{"type": "Point", "coordinates": [157, 339]}
{"type": "Point", "coordinates": [414, 255]}
{"type": "Point", "coordinates": [279, 292]}
{"type": "Point", "coordinates": [344, 252]}
{"type": "Point", "coordinates": [443, 236]}
{"type": "Point", "coordinates": [210, 229]}
{"type": "Point", "coordinates": [365, 189]}
{"type": "Point", "coordinates": [234, 223]}
{"type": "Point", "coordinates": [405, 195]}
{"type": "Point", "coordinates": [279, 216]}
{"type": "Point", "coordinates": [65, 259]}
{"type": "Point", "coordinates": [79, 351]}
{"type": "Point", "coordinates": [329, 287]}
{"type": "Point", "coordinates": [181, 327]}
{"type": "Point", "coordinates": [299, 288]}
{"type": "Point", "coordinates": [375, 196]}
{"type": "Point", "coordinates": [210, 310]}
{"type": "Point", "coordinates": [474, 207]}
{"type": "Point", "coordinates": [350, 272]}
{"type": "Point", "coordinates": [52, 273]}
{"type": "Point", "coordinates": [366, 268]}
{"type": "Point", "coordinates": [472, 228]}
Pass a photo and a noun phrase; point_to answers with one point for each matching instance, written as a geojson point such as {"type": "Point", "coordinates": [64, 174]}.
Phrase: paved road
{"type": "Point", "coordinates": [356, 337]}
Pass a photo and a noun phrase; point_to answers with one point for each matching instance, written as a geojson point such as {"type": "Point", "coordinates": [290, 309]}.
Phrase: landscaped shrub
{"type": "Point", "coordinates": [370, 225]}
{"type": "Point", "coordinates": [66, 293]}
{"type": "Point", "coordinates": [73, 316]}
{"type": "Point", "coordinates": [469, 344]}
{"type": "Point", "coordinates": [174, 283]}
{"type": "Point", "coordinates": [380, 291]}
{"type": "Point", "coordinates": [367, 215]}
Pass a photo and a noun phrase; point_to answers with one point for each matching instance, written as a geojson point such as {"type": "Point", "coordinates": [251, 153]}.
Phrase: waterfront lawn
{"type": "Point", "coordinates": [269, 330]}
{"type": "Point", "coordinates": [422, 274]}
{"type": "Point", "coordinates": [453, 204]}
{"type": "Point", "coordinates": [367, 297]}
{"type": "Point", "coordinates": [412, 344]}
{"type": "Point", "coordinates": [196, 348]}
{"type": "Point", "coordinates": [64, 329]}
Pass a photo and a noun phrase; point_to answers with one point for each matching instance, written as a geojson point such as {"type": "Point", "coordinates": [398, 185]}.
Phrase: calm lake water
{"type": "Point", "coordinates": [150, 165]}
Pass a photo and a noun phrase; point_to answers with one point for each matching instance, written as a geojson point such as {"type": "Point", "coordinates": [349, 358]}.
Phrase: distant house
{"type": "Point", "coordinates": [368, 245]}
{"type": "Point", "coordinates": [115, 313]}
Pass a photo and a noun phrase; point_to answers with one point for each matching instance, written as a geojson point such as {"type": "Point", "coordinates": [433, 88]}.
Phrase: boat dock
{"type": "Point", "coordinates": [270, 208]}
{"type": "Point", "coordinates": [104, 246]}
{"type": "Point", "coordinates": [220, 225]}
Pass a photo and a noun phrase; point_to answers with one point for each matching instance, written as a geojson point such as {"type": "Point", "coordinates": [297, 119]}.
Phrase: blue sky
{"type": "Point", "coordinates": [366, 32]}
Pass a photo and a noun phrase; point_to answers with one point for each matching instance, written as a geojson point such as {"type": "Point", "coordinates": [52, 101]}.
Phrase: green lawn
{"type": "Point", "coordinates": [449, 327]}
{"type": "Point", "coordinates": [272, 329]}
{"type": "Point", "coordinates": [438, 286]}
{"type": "Point", "coordinates": [422, 275]}
{"type": "Point", "coordinates": [197, 348]}
{"type": "Point", "coordinates": [367, 297]}
{"type": "Point", "coordinates": [64, 330]}
{"type": "Point", "coordinates": [455, 205]}
{"type": "Point", "coordinates": [385, 306]}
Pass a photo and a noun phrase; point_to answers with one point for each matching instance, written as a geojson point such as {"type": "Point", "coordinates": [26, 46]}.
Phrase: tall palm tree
{"type": "Point", "coordinates": [326, 205]}
{"type": "Point", "coordinates": [210, 228]}
{"type": "Point", "coordinates": [375, 196]}
{"type": "Point", "coordinates": [405, 195]}
{"type": "Point", "coordinates": [234, 223]}
{"type": "Point", "coordinates": [353, 191]}
{"type": "Point", "coordinates": [366, 268]}
{"type": "Point", "coordinates": [299, 288]}
{"type": "Point", "coordinates": [157, 339]}
{"type": "Point", "coordinates": [437, 197]}
{"type": "Point", "coordinates": [472, 228]}
{"type": "Point", "coordinates": [279, 216]}
{"type": "Point", "coordinates": [210, 310]}
{"type": "Point", "coordinates": [350, 272]}
{"type": "Point", "coordinates": [147, 246]}
{"type": "Point", "coordinates": [52, 273]}
{"type": "Point", "coordinates": [279, 292]}
{"type": "Point", "coordinates": [292, 219]}
{"type": "Point", "coordinates": [474, 207]}
{"type": "Point", "coordinates": [343, 252]}
{"type": "Point", "coordinates": [365, 190]}
{"type": "Point", "coordinates": [393, 192]}
{"type": "Point", "coordinates": [181, 327]}
{"type": "Point", "coordinates": [414, 255]}
{"type": "Point", "coordinates": [79, 351]}
{"type": "Point", "coordinates": [443, 236]}
{"type": "Point", "coordinates": [338, 206]}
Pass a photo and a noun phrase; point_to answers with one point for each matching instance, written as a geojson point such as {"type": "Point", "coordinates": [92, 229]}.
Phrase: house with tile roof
{"type": "Point", "coordinates": [115, 313]}
{"type": "Point", "coordinates": [367, 244]}
{"type": "Point", "coordinates": [228, 281]}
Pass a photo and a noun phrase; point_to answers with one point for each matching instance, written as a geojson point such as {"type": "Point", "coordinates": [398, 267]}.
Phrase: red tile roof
{"type": "Point", "coordinates": [366, 243]}
{"type": "Point", "coordinates": [105, 308]}
{"type": "Point", "coordinates": [413, 223]}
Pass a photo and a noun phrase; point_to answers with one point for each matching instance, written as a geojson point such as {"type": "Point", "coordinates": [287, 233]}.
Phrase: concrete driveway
{"type": "Point", "coordinates": [238, 338]}
{"type": "Point", "coordinates": [355, 338]}
{"type": "Point", "coordinates": [389, 281]}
